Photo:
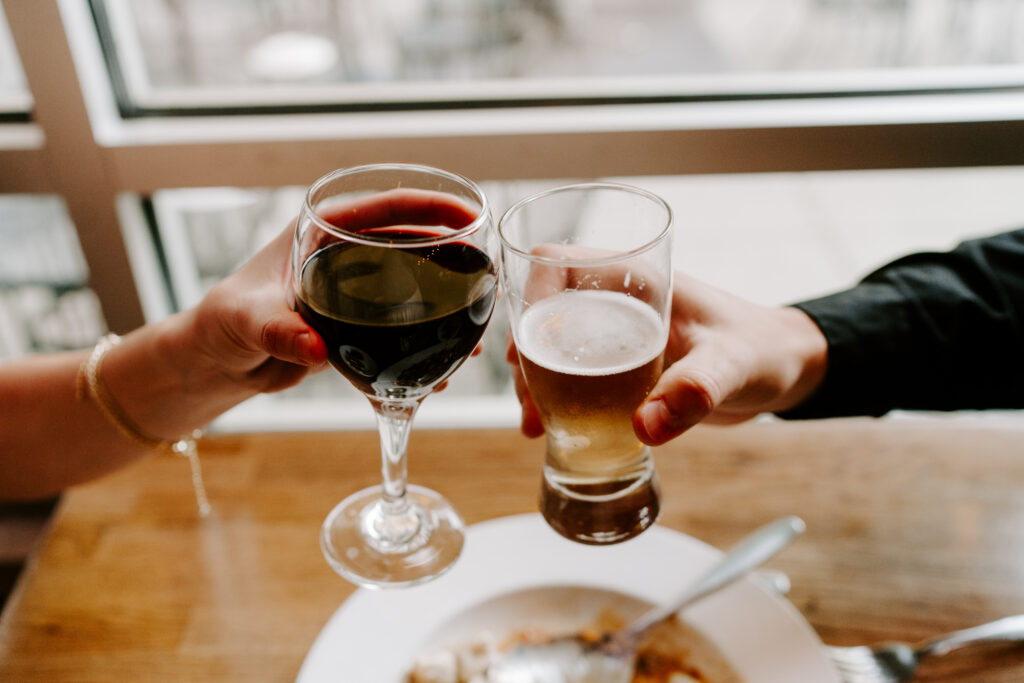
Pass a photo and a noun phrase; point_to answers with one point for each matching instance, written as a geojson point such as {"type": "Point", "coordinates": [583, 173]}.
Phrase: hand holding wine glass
{"type": "Point", "coordinates": [393, 266]}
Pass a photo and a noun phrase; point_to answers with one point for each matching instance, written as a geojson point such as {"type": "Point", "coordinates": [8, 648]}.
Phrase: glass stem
{"type": "Point", "coordinates": [394, 420]}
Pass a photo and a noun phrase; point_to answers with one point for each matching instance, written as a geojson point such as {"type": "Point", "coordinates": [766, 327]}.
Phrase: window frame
{"type": "Point", "coordinates": [76, 114]}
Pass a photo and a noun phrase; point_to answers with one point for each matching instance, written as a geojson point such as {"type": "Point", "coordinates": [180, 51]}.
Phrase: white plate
{"type": "Point", "coordinates": [375, 635]}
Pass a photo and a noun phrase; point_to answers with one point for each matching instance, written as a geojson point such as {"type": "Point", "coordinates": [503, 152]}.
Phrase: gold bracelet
{"type": "Point", "coordinates": [88, 382]}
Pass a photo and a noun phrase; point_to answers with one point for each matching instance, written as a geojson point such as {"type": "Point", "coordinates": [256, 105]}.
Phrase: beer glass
{"type": "Point", "coordinates": [587, 276]}
{"type": "Point", "coordinates": [393, 264]}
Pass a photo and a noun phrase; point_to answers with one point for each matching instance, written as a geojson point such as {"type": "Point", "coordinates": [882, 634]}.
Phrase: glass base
{"type": "Point", "coordinates": [374, 549]}
{"type": "Point", "coordinates": [600, 512]}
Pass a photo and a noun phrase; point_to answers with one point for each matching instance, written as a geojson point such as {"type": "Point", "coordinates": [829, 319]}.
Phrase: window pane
{"type": "Point", "coordinates": [14, 96]}
{"type": "Point", "coordinates": [422, 52]}
{"type": "Point", "coordinates": [45, 300]}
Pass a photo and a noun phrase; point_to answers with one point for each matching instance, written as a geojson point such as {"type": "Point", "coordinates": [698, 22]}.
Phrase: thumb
{"type": "Point", "coordinates": [685, 394]}
{"type": "Point", "coordinates": [242, 330]}
{"type": "Point", "coordinates": [286, 336]}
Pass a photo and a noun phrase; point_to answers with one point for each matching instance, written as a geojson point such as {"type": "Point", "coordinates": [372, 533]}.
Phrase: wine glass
{"type": "Point", "coordinates": [394, 266]}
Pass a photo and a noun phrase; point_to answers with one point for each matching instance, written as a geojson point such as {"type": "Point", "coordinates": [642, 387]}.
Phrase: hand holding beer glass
{"type": "Point", "coordinates": [587, 273]}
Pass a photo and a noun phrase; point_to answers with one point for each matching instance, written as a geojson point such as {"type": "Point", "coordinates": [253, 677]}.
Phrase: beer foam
{"type": "Point", "coordinates": [590, 332]}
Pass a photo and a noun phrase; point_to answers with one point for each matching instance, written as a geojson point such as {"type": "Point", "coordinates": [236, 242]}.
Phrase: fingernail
{"type": "Point", "coordinates": [307, 346]}
{"type": "Point", "coordinates": [530, 424]}
{"type": "Point", "coordinates": [658, 422]}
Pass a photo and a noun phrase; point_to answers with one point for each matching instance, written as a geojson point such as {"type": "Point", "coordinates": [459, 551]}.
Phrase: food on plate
{"type": "Point", "coordinates": [671, 652]}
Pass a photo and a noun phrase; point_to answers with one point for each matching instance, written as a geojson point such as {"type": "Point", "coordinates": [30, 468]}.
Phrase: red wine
{"type": "Point", "coordinates": [398, 321]}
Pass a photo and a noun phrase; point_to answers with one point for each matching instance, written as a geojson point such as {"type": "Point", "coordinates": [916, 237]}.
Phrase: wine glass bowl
{"type": "Point", "coordinates": [393, 265]}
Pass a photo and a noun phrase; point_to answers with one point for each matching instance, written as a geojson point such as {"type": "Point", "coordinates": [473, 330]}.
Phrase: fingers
{"type": "Point", "coordinates": [286, 336]}
{"type": "Point", "coordinates": [283, 334]}
{"type": "Point", "coordinates": [530, 424]}
{"type": "Point", "coordinates": [687, 393]}
{"type": "Point", "coordinates": [275, 375]}
{"type": "Point", "coordinates": [570, 267]}
{"type": "Point", "coordinates": [252, 312]}
{"type": "Point", "coordinates": [242, 322]}
{"type": "Point", "coordinates": [544, 280]}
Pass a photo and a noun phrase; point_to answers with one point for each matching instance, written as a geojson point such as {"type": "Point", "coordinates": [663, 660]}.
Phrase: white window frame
{"type": "Point", "coordinates": [75, 117]}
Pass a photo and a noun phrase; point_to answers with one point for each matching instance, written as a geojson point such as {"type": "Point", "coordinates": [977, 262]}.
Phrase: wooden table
{"type": "Point", "coordinates": [914, 527]}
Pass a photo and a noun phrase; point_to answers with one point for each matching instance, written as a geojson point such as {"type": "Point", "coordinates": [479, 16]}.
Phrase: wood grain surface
{"type": "Point", "coordinates": [914, 527]}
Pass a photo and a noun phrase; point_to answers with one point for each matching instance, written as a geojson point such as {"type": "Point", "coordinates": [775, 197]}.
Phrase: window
{"type": "Point", "coordinates": [189, 56]}
{"type": "Point", "coordinates": [199, 121]}
{"type": "Point", "coordinates": [15, 100]}
{"type": "Point", "coordinates": [45, 301]}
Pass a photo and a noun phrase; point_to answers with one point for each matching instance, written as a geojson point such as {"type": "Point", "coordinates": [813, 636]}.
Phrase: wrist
{"type": "Point", "coordinates": [808, 349]}
{"type": "Point", "coordinates": [89, 382]}
{"type": "Point", "coordinates": [165, 383]}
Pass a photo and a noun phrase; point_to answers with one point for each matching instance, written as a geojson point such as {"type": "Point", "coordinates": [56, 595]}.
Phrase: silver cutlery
{"type": "Point", "coordinates": [893, 662]}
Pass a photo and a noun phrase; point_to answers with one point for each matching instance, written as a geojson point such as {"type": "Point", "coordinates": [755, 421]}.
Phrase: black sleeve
{"type": "Point", "coordinates": [930, 331]}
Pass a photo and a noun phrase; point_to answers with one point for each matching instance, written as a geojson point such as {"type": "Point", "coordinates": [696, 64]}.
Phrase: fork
{"type": "Point", "coordinates": [893, 662]}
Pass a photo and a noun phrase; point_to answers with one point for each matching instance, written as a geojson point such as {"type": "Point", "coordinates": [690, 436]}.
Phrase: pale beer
{"type": "Point", "coordinates": [590, 357]}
